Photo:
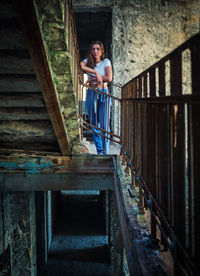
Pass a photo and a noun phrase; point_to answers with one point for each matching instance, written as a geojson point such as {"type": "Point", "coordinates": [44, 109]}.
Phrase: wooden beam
{"type": "Point", "coordinates": [37, 52]}
{"type": "Point", "coordinates": [33, 173]}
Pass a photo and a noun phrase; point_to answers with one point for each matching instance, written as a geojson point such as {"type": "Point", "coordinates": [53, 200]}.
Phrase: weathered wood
{"type": "Point", "coordinates": [15, 99]}
{"type": "Point", "coordinates": [56, 173]}
{"type": "Point", "coordinates": [20, 113]}
{"type": "Point", "coordinates": [37, 52]}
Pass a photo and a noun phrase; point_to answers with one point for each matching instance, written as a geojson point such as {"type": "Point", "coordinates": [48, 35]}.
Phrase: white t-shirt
{"type": "Point", "coordinates": [100, 67]}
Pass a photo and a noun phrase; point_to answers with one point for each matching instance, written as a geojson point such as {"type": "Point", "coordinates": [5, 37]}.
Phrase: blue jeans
{"type": "Point", "coordinates": [98, 109]}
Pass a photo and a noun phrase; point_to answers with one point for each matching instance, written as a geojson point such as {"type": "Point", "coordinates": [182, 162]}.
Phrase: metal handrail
{"type": "Point", "coordinates": [86, 123]}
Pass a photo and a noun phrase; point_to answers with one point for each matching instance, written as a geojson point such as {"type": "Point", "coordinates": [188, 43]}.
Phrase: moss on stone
{"type": "Point", "coordinates": [50, 9]}
{"type": "Point", "coordinates": [60, 62]}
{"type": "Point", "coordinates": [67, 100]}
{"type": "Point", "coordinates": [69, 113]}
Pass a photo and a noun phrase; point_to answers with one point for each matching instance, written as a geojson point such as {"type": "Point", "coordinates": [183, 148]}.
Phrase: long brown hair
{"type": "Point", "coordinates": [91, 60]}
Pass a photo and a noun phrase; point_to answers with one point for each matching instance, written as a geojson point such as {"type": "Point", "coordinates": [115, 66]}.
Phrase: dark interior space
{"type": "Point", "coordinates": [79, 244]}
{"type": "Point", "coordinates": [93, 25]}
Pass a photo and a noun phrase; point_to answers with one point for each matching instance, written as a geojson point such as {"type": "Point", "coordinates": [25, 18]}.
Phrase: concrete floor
{"type": "Point", "coordinates": [79, 246]}
{"type": "Point", "coordinates": [114, 148]}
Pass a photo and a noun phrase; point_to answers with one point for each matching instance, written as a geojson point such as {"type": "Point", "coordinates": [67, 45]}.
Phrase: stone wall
{"type": "Point", "coordinates": [145, 31]}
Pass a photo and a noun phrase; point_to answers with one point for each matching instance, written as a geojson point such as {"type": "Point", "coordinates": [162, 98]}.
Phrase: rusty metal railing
{"type": "Point", "coordinates": [97, 113]}
{"type": "Point", "coordinates": [161, 144]}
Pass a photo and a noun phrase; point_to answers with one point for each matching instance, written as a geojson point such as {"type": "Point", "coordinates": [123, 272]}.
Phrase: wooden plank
{"type": "Point", "coordinates": [37, 52]}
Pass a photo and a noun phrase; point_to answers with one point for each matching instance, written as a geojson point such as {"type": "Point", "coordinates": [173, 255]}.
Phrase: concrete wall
{"type": "Point", "coordinates": [18, 233]}
{"type": "Point", "coordinates": [145, 31]}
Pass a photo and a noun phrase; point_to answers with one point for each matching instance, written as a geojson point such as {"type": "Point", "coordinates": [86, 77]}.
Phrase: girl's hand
{"type": "Point", "coordinates": [92, 82]}
{"type": "Point", "coordinates": [99, 78]}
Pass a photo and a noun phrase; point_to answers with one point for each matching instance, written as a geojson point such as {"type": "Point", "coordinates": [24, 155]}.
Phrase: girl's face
{"type": "Point", "coordinates": [96, 51]}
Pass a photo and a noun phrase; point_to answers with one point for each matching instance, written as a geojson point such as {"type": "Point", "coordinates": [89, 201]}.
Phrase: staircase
{"type": "Point", "coordinates": [24, 120]}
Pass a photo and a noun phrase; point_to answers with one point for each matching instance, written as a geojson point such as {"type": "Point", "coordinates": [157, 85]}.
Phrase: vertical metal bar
{"type": "Point", "coordinates": [178, 179]}
{"type": "Point", "coordinates": [176, 74]}
{"type": "Point", "coordinates": [161, 70]}
{"type": "Point", "coordinates": [191, 242]}
{"type": "Point", "coordinates": [195, 59]}
{"type": "Point", "coordinates": [91, 105]}
{"type": "Point", "coordinates": [134, 87]}
{"type": "Point", "coordinates": [122, 116]}
{"type": "Point", "coordinates": [86, 111]}
{"type": "Point", "coordinates": [140, 86]}
{"type": "Point", "coordinates": [145, 84]}
{"type": "Point", "coordinates": [163, 159]}
{"type": "Point", "coordinates": [178, 172]}
{"type": "Point", "coordinates": [152, 82]}
{"type": "Point", "coordinates": [152, 164]}
{"type": "Point", "coordinates": [196, 176]}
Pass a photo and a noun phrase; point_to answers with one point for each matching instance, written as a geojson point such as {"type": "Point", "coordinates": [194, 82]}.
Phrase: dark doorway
{"type": "Point", "coordinates": [79, 244]}
{"type": "Point", "coordinates": [94, 25]}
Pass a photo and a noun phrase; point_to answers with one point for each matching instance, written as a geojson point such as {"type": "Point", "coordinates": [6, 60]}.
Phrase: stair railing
{"type": "Point", "coordinates": [107, 126]}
